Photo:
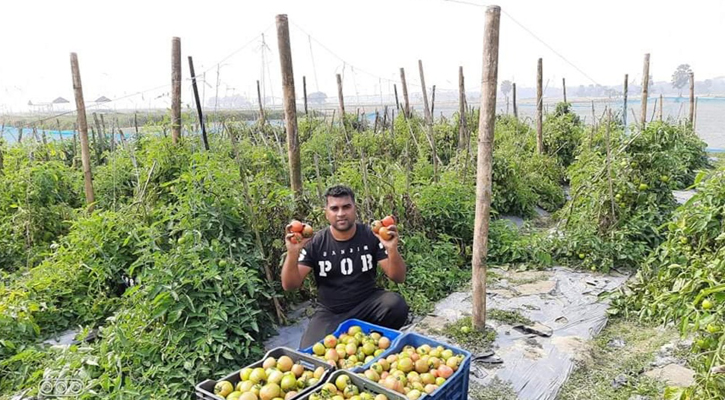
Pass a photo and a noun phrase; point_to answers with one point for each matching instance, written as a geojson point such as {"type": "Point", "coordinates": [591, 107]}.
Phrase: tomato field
{"type": "Point", "coordinates": [196, 230]}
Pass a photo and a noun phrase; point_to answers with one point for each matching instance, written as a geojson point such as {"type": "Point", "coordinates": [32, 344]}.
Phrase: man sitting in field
{"type": "Point", "coordinates": [344, 258]}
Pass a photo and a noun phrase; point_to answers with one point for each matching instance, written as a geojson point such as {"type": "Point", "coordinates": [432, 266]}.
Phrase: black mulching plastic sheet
{"type": "Point", "coordinates": [537, 366]}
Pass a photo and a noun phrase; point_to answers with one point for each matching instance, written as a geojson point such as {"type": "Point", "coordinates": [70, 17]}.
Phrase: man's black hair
{"type": "Point", "coordinates": [339, 191]}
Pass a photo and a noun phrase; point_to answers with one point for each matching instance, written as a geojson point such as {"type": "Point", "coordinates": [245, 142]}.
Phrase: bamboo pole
{"type": "Point", "coordinates": [83, 129]}
{"type": "Point", "coordinates": [539, 107]}
{"type": "Point", "coordinates": [319, 178]}
{"type": "Point", "coordinates": [406, 100]}
{"type": "Point", "coordinates": [563, 87]}
{"type": "Point", "coordinates": [662, 103]}
{"type": "Point", "coordinates": [176, 90]}
{"type": "Point", "coordinates": [397, 103]}
{"type": "Point", "coordinates": [289, 100]}
{"type": "Point", "coordinates": [609, 163]}
{"type": "Point", "coordinates": [462, 136]}
{"type": "Point", "coordinates": [428, 121]}
{"type": "Point", "coordinates": [20, 134]}
{"type": "Point", "coordinates": [645, 90]}
{"type": "Point", "coordinates": [516, 108]}
{"type": "Point", "coordinates": [486, 124]}
{"type": "Point", "coordinates": [135, 123]}
{"type": "Point", "coordinates": [692, 98]}
{"type": "Point", "coordinates": [204, 138]}
{"type": "Point", "coordinates": [694, 121]}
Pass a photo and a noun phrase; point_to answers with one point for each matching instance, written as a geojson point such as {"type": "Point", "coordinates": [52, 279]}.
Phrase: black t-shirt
{"type": "Point", "coordinates": [344, 271]}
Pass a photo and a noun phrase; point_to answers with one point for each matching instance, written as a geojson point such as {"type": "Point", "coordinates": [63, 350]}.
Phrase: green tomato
{"type": "Point", "coordinates": [706, 304]}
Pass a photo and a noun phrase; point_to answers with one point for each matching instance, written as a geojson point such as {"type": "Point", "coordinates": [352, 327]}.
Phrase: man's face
{"type": "Point", "coordinates": [340, 212]}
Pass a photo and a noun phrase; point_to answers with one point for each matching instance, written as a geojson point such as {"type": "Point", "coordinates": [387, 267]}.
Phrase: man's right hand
{"type": "Point", "coordinates": [294, 241]}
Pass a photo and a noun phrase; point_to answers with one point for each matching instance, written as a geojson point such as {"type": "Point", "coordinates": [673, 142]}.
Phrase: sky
{"type": "Point", "coordinates": [124, 48]}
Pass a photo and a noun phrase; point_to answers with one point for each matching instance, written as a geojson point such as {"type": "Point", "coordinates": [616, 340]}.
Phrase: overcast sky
{"type": "Point", "coordinates": [124, 46]}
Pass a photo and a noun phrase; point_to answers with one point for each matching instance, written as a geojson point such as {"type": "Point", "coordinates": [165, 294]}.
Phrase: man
{"type": "Point", "coordinates": [344, 258]}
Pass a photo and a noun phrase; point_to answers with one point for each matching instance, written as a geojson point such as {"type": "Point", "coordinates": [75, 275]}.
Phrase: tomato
{"type": "Point", "coordinates": [296, 226]}
{"type": "Point", "coordinates": [307, 231]}
{"type": "Point", "coordinates": [643, 187]}
{"type": "Point", "coordinates": [296, 238]}
{"type": "Point", "coordinates": [706, 304]}
{"type": "Point", "coordinates": [387, 221]}
{"type": "Point", "coordinates": [385, 234]}
{"type": "Point", "coordinates": [376, 225]}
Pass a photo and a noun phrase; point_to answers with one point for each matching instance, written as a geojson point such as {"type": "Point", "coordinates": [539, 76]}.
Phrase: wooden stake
{"type": "Point", "coordinates": [462, 135]}
{"type": "Point", "coordinates": [662, 103]}
{"type": "Point", "coordinates": [319, 179]}
{"type": "Point", "coordinates": [262, 118]}
{"type": "Point", "coordinates": [645, 90]}
{"type": "Point", "coordinates": [406, 101]}
{"type": "Point", "coordinates": [83, 128]}
{"type": "Point", "coordinates": [20, 134]}
{"type": "Point", "coordinates": [539, 107]}
{"type": "Point", "coordinates": [304, 91]}
{"type": "Point", "coordinates": [433, 103]}
{"type": "Point", "coordinates": [692, 98]}
{"type": "Point", "coordinates": [290, 109]}
{"type": "Point", "coordinates": [340, 99]}
{"type": "Point", "coordinates": [694, 121]}
{"type": "Point", "coordinates": [397, 103]}
{"type": "Point", "coordinates": [135, 123]}
{"type": "Point", "coordinates": [204, 138]}
{"type": "Point", "coordinates": [176, 91]}
{"type": "Point", "coordinates": [609, 163]}
{"type": "Point", "coordinates": [516, 108]}
{"type": "Point", "coordinates": [624, 110]}
{"type": "Point", "coordinates": [563, 87]}
{"type": "Point", "coordinates": [486, 124]}
{"type": "Point", "coordinates": [429, 122]}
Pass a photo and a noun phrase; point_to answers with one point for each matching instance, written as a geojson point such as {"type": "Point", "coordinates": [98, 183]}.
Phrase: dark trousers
{"type": "Point", "coordinates": [382, 308]}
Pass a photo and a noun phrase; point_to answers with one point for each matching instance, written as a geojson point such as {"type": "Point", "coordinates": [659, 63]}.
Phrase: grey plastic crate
{"type": "Point", "coordinates": [205, 390]}
{"type": "Point", "coordinates": [361, 383]}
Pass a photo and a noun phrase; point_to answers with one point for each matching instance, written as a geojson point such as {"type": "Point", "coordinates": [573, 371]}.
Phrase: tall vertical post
{"type": "Point", "coordinates": [692, 98]}
{"type": "Point", "coordinates": [486, 124]}
{"type": "Point", "coordinates": [83, 128]}
{"type": "Point", "coordinates": [426, 109]}
{"type": "Point", "coordinates": [563, 87]}
{"type": "Point", "coordinates": [433, 103]}
{"type": "Point", "coordinates": [645, 90]}
{"type": "Point", "coordinates": [462, 136]}
{"type": "Point", "coordinates": [406, 100]}
{"type": "Point", "coordinates": [204, 138]}
{"type": "Point", "coordinates": [135, 122]}
{"type": "Point", "coordinates": [662, 108]}
{"type": "Point", "coordinates": [539, 107]}
{"type": "Point", "coordinates": [340, 99]}
{"type": "Point", "coordinates": [304, 91]}
{"type": "Point", "coordinates": [429, 121]}
{"type": "Point", "coordinates": [516, 108]}
{"type": "Point", "coordinates": [176, 89]}
{"type": "Point", "coordinates": [289, 100]}
{"type": "Point", "coordinates": [397, 103]}
{"type": "Point", "coordinates": [624, 110]}
{"type": "Point", "coordinates": [694, 121]}
{"type": "Point", "coordinates": [262, 118]}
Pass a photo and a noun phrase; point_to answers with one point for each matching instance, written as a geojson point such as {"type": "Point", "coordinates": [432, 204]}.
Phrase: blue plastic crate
{"type": "Point", "coordinates": [367, 329]}
{"type": "Point", "coordinates": [455, 387]}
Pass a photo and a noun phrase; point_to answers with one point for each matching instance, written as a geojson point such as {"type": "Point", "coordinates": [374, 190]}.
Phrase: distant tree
{"type": "Point", "coordinates": [681, 77]}
{"type": "Point", "coordinates": [506, 87]}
